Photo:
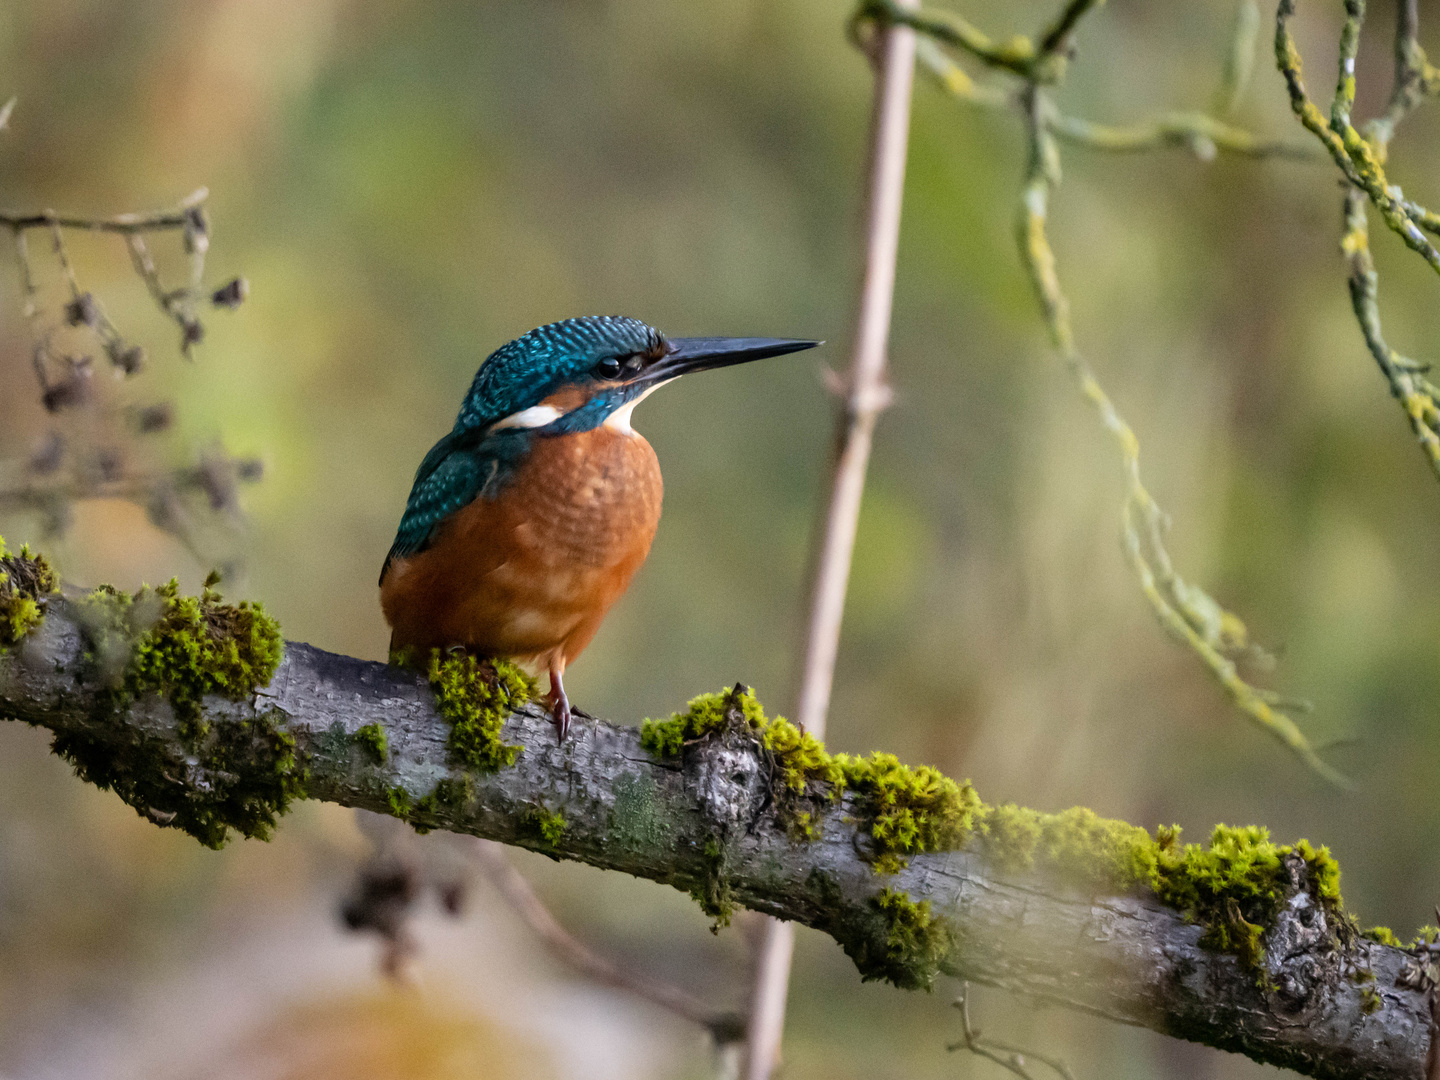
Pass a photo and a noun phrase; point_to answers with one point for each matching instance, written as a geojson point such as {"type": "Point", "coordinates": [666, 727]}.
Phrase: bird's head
{"type": "Point", "coordinates": [577, 374]}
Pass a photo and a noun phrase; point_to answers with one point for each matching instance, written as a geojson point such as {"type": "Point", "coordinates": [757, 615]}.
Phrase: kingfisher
{"type": "Point", "coordinates": [527, 521]}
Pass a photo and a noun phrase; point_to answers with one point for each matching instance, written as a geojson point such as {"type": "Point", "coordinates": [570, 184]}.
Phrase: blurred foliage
{"type": "Point", "coordinates": [408, 186]}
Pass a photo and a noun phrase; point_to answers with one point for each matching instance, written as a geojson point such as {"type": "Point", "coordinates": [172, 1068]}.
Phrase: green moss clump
{"type": "Point", "coordinates": [476, 696]}
{"type": "Point", "coordinates": [26, 581]}
{"type": "Point", "coordinates": [188, 646]}
{"type": "Point", "coordinates": [372, 739]}
{"type": "Point", "coordinates": [240, 776]}
{"type": "Point", "coordinates": [548, 825]}
{"type": "Point", "coordinates": [1370, 1001]}
{"type": "Point", "coordinates": [1077, 842]}
{"type": "Point", "coordinates": [910, 809]}
{"type": "Point", "coordinates": [248, 775]}
{"type": "Point", "coordinates": [1383, 935]}
{"type": "Point", "coordinates": [906, 946]}
{"type": "Point", "coordinates": [799, 759]}
{"type": "Point", "coordinates": [446, 798]}
{"type": "Point", "coordinates": [1235, 886]}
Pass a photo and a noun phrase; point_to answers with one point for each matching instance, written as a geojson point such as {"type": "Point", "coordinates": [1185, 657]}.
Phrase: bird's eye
{"type": "Point", "coordinates": [608, 368]}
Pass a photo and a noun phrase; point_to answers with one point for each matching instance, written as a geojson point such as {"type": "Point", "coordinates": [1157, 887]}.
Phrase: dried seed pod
{"type": "Point", "coordinates": [232, 294]}
{"type": "Point", "coordinates": [84, 310]}
{"type": "Point", "coordinates": [216, 477]}
{"type": "Point", "coordinates": [129, 360]}
{"type": "Point", "coordinates": [72, 390]}
{"type": "Point", "coordinates": [152, 418]}
{"type": "Point", "coordinates": [192, 332]}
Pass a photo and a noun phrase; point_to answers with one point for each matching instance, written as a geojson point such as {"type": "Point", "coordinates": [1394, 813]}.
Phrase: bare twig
{"type": "Point", "coordinates": [724, 1027]}
{"type": "Point", "coordinates": [1216, 635]}
{"type": "Point", "coordinates": [866, 395]}
{"type": "Point", "coordinates": [92, 459]}
{"type": "Point", "coordinates": [1004, 1054]}
{"type": "Point", "coordinates": [120, 223]}
{"type": "Point", "coordinates": [1361, 159]}
{"type": "Point", "coordinates": [1355, 155]}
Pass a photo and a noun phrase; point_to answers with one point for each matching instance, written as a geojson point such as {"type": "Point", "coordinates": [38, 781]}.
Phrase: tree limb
{"type": "Point", "coordinates": [710, 819]}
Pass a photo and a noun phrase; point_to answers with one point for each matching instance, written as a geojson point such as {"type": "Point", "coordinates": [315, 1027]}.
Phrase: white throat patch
{"type": "Point", "coordinates": [619, 420]}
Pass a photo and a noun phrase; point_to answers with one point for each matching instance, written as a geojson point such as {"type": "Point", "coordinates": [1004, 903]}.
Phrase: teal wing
{"type": "Point", "coordinates": [454, 474]}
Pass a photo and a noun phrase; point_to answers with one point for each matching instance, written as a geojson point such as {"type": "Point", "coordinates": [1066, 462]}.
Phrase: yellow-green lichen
{"type": "Point", "coordinates": [476, 695]}
{"type": "Point", "coordinates": [239, 773]}
{"type": "Point", "coordinates": [1383, 935]}
{"type": "Point", "coordinates": [713, 893]}
{"type": "Point", "coordinates": [1370, 1001]}
{"type": "Point", "coordinates": [372, 739]}
{"type": "Point", "coordinates": [906, 945]}
{"type": "Point", "coordinates": [26, 581]}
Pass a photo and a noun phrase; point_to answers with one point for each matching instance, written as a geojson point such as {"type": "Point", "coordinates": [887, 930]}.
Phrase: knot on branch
{"type": "Point", "coordinates": [1302, 947]}
{"type": "Point", "coordinates": [725, 772]}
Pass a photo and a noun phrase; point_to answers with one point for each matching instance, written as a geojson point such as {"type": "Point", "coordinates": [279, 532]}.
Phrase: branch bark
{"type": "Point", "coordinates": [707, 821]}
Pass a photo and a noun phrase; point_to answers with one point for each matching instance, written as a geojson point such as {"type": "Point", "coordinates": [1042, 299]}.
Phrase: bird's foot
{"type": "Point", "coordinates": [559, 706]}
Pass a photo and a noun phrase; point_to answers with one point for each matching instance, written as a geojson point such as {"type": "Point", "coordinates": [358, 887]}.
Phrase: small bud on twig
{"type": "Point", "coordinates": [232, 294]}
{"type": "Point", "coordinates": [74, 389]}
{"type": "Point", "coordinates": [83, 311]}
{"type": "Point", "coordinates": [192, 332]}
{"type": "Point", "coordinates": [130, 360]}
{"type": "Point", "coordinates": [153, 418]}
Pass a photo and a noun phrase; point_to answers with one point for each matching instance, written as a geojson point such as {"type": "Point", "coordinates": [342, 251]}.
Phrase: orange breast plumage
{"type": "Point", "coordinates": [531, 573]}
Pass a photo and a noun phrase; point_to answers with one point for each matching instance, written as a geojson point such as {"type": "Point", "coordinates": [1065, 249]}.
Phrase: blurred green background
{"type": "Point", "coordinates": [409, 185]}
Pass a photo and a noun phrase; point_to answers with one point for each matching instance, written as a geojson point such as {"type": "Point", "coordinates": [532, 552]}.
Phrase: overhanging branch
{"type": "Point", "coordinates": [709, 822]}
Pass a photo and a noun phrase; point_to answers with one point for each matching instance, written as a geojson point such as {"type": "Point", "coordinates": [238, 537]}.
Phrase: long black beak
{"type": "Point", "coordinates": [704, 353]}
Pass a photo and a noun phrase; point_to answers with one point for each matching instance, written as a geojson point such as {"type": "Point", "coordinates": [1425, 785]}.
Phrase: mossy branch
{"type": "Point", "coordinates": [1242, 943]}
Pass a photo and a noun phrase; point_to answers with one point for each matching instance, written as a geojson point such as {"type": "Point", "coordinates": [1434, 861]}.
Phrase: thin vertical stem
{"type": "Point", "coordinates": [867, 394]}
